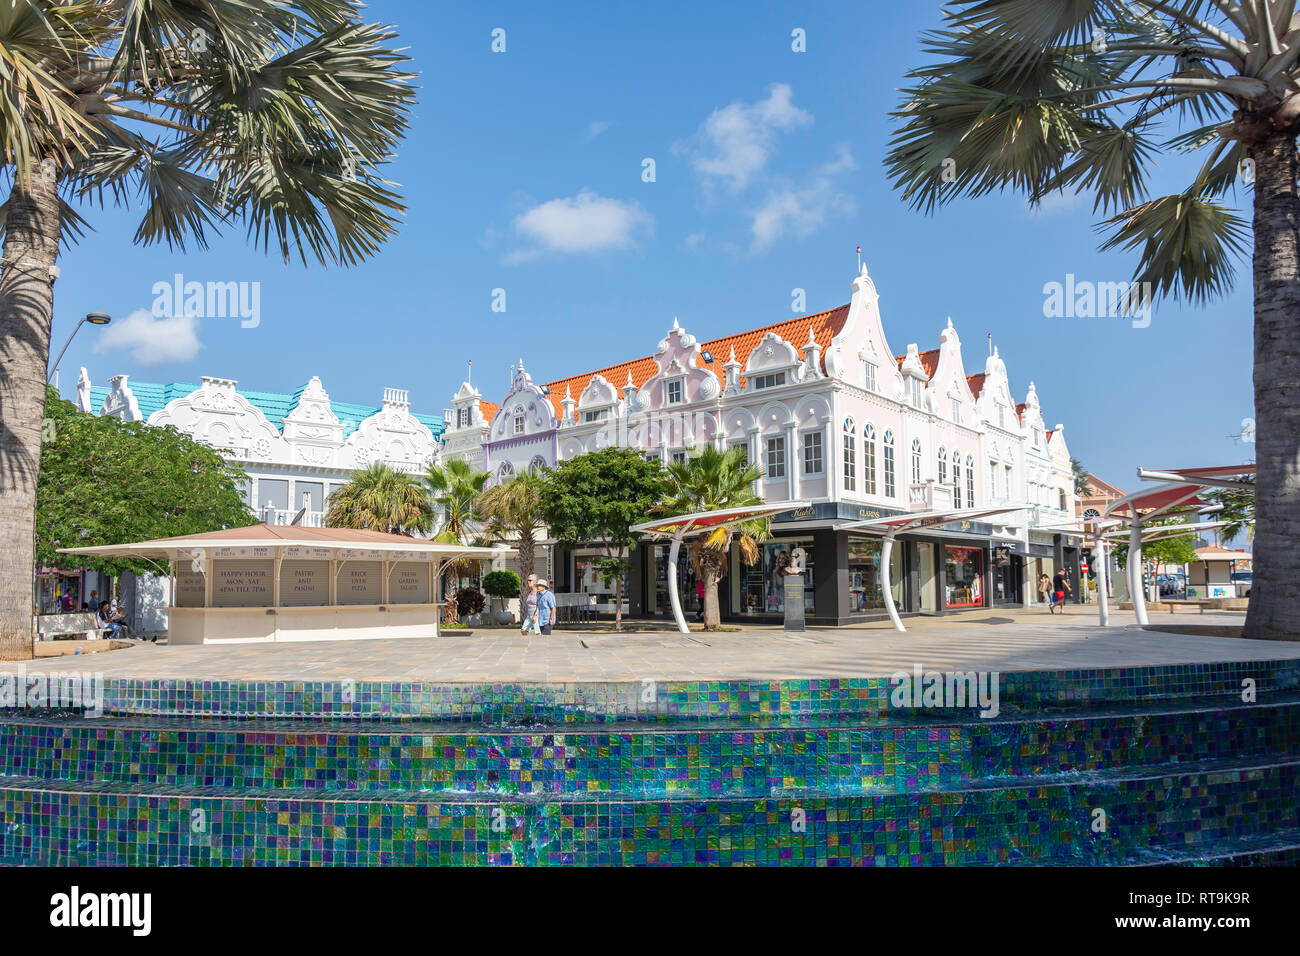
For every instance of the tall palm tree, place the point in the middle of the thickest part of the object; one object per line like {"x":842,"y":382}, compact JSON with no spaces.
{"x":513,"y":510}
{"x":381,"y":499}
{"x":711,"y":480}
{"x":455,"y":489}
{"x":1041,"y":96}
{"x":271,"y":116}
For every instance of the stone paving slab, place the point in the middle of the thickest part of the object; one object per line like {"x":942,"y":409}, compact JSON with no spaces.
{"x":1001,"y":640}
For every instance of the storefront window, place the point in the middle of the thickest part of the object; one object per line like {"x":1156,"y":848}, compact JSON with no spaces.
{"x":864,"y":575}
{"x":688,"y":592}
{"x":964,"y":567}
{"x":763,"y":583}
{"x":587,"y":579}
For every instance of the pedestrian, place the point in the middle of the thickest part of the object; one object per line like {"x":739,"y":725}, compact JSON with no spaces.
{"x":699,"y":594}
{"x":94,"y":600}
{"x":1060,"y":588}
{"x":1045,"y":590}
{"x":529,"y":625}
{"x":545,"y":607}
{"x":106,"y":623}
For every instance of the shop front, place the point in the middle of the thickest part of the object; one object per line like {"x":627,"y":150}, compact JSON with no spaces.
{"x":963,"y":577}
{"x":1008,"y":576}
{"x":759,"y":589}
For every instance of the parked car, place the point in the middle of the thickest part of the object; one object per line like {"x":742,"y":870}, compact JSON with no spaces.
{"x":1240,"y":578}
{"x":1170,"y":584}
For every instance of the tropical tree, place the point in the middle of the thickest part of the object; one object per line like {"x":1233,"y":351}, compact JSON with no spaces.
{"x":381,"y":499}
{"x":454,"y":489}
{"x":267,"y":115}
{"x":105,"y":481}
{"x":1080,"y":477}
{"x":596,"y":498}
{"x":1040,"y":96}
{"x":513,"y":512}
{"x":1238,"y":511}
{"x":712,"y":480}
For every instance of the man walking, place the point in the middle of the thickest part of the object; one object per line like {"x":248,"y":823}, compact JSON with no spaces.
{"x":545,"y":606}
{"x":1060,"y":588}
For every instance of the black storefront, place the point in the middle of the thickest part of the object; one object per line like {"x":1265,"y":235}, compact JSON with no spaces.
{"x":940,"y":570}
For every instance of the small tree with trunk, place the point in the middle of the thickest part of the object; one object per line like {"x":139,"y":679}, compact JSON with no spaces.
{"x":596,"y":498}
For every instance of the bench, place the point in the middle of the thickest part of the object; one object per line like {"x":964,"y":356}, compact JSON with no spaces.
{"x":1202,"y":604}
{"x":52,"y":626}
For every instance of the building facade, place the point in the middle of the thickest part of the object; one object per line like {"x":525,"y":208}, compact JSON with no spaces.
{"x":295,"y":447}
{"x":831,"y":415}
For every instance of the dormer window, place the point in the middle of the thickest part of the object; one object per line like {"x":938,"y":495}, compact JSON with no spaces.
{"x":767,"y":381}
{"x":1038,"y":438}
{"x":871,"y":376}
{"x":956,"y":411}
{"x":673,"y":392}
{"x":1002,"y":416}
{"x":519,"y":421}
{"x":598,"y":415}
{"x":918,"y":390}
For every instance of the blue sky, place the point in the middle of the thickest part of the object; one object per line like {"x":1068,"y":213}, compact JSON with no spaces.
{"x":523,"y":172}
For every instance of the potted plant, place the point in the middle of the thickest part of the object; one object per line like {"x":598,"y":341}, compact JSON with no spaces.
{"x":503,"y":585}
{"x":469,"y":605}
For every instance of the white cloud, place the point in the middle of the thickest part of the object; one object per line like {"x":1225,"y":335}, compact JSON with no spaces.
{"x":801,"y":211}
{"x":694,"y":241}
{"x":150,"y":340}
{"x":596,"y":127}
{"x":585,"y":223}
{"x":734,"y":144}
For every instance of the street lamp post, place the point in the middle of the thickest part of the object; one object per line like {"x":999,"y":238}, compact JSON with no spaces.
{"x":94,"y":318}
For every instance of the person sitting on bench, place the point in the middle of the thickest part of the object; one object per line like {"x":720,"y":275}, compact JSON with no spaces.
{"x":106,"y":622}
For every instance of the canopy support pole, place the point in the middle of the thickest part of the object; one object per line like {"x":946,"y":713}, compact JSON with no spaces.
{"x":886,"y":590}
{"x":673,"y":597}
{"x":1135,"y":585}
{"x":1102,"y":560}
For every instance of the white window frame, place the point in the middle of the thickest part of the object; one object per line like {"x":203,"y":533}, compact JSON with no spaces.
{"x":680,"y":385}
{"x":819,"y":440}
{"x":776,"y":441}
{"x":767,"y":380}
{"x":871,"y":373}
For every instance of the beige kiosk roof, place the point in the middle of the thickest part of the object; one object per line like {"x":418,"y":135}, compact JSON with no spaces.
{"x":290,"y":536}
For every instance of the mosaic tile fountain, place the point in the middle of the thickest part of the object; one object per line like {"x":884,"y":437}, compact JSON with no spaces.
{"x":1148,"y":765}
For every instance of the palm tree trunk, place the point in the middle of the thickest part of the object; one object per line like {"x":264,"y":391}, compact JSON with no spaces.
{"x":1274,"y":610}
{"x":527,"y":560}
{"x":712,"y":613}
{"x":31,"y":245}
{"x":618,"y":593}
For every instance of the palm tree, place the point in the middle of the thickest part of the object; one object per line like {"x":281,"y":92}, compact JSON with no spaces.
{"x":265,"y":115}
{"x":455,"y":489}
{"x":711,"y":480}
{"x":1085,"y":95}
{"x":513,"y":509}
{"x":381,"y":499}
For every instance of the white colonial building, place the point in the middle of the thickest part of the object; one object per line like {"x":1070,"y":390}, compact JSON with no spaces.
{"x":830,"y":414}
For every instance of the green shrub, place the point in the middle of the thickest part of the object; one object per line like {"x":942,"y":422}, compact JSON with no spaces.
{"x":502,"y":584}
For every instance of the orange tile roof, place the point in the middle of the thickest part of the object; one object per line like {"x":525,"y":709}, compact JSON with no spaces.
{"x":489,"y":409}
{"x":976,"y":383}
{"x":929,"y":361}
{"x":1020,"y":410}
{"x":825,"y":326}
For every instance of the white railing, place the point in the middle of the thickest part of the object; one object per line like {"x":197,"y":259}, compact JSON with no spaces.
{"x":310,"y":519}
{"x":929,"y":496}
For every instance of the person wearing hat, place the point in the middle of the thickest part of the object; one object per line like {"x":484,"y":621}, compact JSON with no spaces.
{"x":545,"y":606}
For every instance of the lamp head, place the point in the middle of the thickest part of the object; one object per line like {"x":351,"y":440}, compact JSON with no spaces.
{"x":98,"y":318}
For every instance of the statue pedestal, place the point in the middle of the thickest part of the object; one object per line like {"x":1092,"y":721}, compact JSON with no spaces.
{"x":794,"y":584}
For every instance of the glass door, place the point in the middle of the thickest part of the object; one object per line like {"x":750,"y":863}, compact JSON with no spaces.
{"x":929,"y":581}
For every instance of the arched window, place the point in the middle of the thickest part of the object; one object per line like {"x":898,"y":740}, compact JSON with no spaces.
{"x":537,"y":464}
{"x":916,"y":461}
{"x":888,"y":456}
{"x":1092,"y":513}
{"x":956,"y":479}
{"x":943,"y":465}
{"x":850,"y":455}
{"x":505,"y":472}
{"x":970,"y":481}
{"x":869,"y":459}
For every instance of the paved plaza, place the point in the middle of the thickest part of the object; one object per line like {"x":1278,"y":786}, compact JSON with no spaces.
{"x":1005,"y":641}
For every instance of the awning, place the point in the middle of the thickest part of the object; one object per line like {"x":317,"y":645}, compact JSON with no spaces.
{"x":710,"y":520}
{"x":272,"y":539}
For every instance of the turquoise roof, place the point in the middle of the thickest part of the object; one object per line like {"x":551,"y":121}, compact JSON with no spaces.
{"x":274,"y":405}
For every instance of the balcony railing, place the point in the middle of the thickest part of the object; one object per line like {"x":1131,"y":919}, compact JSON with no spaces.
{"x":310,"y":519}
{"x":929,"y":496}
